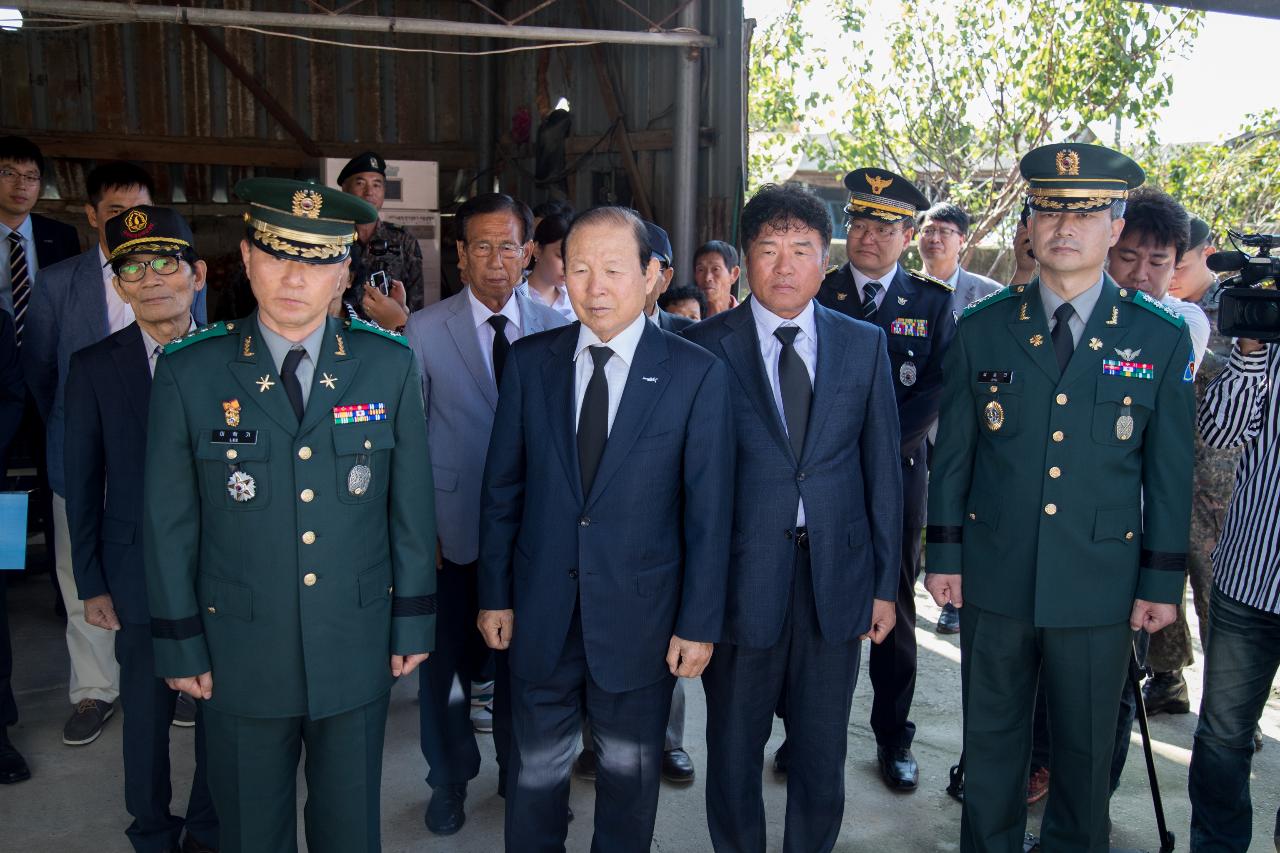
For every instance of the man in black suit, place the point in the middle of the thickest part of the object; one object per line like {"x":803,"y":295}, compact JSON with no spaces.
{"x":108,"y":391}
{"x":603,"y":553}
{"x":816,"y":523}
{"x":13,"y":768}
{"x":914,"y":310}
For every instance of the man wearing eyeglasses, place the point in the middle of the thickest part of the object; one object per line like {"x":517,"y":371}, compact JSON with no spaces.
{"x":943,"y":231}
{"x":155,"y":272}
{"x":461,"y":346}
{"x":914,"y":310}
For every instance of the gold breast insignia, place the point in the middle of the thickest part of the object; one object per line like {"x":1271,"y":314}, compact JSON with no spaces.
{"x":1114,"y":320}
{"x":1095,"y":344}
{"x":1036,"y":340}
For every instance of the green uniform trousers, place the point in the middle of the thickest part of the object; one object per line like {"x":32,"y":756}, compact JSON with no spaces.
{"x":1083,"y":671}
{"x":253,"y":768}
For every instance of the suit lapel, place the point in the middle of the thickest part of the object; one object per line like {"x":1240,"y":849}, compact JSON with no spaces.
{"x":462,"y":328}
{"x":337,"y":368}
{"x":742,"y":346}
{"x":828,"y":376}
{"x":258,"y":378}
{"x":132,"y":363}
{"x":639,"y":396}
{"x":557,"y":387}
{"x":530,"y":321}
{"x":1031,"y":330}
{"x":1107,"y":326}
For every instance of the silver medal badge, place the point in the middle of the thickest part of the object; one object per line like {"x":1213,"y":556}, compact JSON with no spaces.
{"x":241,"y":486}
{"x":907,"y":373}
{"x":358,"y":479}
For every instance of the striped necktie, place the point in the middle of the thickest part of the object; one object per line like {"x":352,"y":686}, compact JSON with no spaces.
{"x":869,"y":292}
{"x":19,"y":281}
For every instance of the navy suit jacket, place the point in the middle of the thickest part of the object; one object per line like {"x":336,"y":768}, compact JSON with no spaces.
{"x":108,"y":393}
{"x":55,"y":241}
{"x":669,"y":322}
{"x":647,"y":550}
{"x":68,"y":312}
{"x":848,"y":474}
{"x":13,"y":395}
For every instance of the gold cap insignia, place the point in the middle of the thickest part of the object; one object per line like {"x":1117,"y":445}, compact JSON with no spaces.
{"x":307,"y":203}
{"x":1068,"y":162}
{"x":878,"y":185}
{"x":135,"y":221}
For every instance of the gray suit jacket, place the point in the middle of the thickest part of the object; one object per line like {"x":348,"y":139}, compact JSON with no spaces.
{"x":461,"y":400}
{"x":68,"y":312}
{"x":970,"y":287}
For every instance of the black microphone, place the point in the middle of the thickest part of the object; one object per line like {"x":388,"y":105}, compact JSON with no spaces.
{"x":1226,"y":261}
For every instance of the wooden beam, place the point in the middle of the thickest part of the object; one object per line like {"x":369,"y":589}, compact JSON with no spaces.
{"x":203,"y":151}
{"x":641,"y":140}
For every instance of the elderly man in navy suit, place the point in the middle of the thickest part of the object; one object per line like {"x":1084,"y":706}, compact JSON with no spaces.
{"x":603,"y":547}
{"x":816,"y":526}
{"x":461,"y":345}
{"x":108,"y":393}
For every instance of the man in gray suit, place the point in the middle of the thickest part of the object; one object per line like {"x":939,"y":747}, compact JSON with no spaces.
{"x":461,"y":345}
{"x":943,"y":231}
{"x":73,"y":305}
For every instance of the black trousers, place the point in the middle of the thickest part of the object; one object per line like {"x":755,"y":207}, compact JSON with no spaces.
{"x":8,"y":706}
{"x":627,"y":732}
{"x":148,"y":709}
{"x":444,"y":684}
{"x":743,"y":687}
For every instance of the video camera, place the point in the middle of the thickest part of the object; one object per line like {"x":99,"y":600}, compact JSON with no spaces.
{"x":1248,"y":302}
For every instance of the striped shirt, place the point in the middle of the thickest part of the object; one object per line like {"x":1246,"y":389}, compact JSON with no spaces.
{"x":1240,"y":411}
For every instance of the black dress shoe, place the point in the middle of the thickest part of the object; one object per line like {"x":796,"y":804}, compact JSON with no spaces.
{"x":780,"y":760}
{"x":444,"y":813}
{"x":13,"y":767}
{"x":677,"y":766}
{"x":1166,"y":693}
{"x":948,"y":620}
{"x":191,"y":844}
{"x":585,"y":766}
{"x":898,"y":767}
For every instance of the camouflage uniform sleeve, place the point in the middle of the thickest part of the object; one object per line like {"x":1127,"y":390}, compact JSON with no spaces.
{"x":411,"y":259}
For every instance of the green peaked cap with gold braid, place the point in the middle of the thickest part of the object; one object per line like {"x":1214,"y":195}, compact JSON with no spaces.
{"x":302,"y":220}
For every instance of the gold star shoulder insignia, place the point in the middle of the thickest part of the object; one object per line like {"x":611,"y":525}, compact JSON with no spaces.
{"x":329,"y":381}
{"x":264,"y":383}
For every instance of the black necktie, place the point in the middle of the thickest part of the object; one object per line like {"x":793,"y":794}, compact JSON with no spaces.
{"x":1063,"y":344}
{"x":289,"y":378}
{"x":19,"y":282}
{"x":500,"y":346}
{"x":593,"y":420}
{"x":869,"y":291}
{"x":797,"y":391}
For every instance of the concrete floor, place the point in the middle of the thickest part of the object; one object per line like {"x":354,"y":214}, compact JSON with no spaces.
{"x":75,"y":800}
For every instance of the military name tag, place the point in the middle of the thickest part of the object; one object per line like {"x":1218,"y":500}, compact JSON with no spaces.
{"x":910,"y":327}
{"x":994,"y":414}
{"x":359,"y":413}
{"x":999,"y":377}
{"x":235,"y":436}
{"x":241,"y":486}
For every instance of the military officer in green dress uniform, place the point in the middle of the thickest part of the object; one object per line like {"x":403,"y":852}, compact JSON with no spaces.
{"x":288,"y":530}
{"x":1059,"y":502}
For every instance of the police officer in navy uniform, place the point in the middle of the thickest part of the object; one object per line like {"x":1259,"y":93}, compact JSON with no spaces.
{"x":914,"y":310}
{"x":289,"y":531}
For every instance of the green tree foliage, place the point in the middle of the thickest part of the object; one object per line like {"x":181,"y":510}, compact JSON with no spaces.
{"x":952,"y":93}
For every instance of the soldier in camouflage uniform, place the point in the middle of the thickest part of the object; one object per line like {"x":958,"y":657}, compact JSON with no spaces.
{"x":1214,"y":475}
{"x":382,"y":245}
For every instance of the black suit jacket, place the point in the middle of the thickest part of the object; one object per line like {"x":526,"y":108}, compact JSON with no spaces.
{"x":13,"y":391}
{"x":669,"y":322}
{"x":55,"y":241}
{"x":108,"y":394}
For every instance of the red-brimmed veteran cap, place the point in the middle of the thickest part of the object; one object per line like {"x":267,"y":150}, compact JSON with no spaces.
{"x":1077,"y":177}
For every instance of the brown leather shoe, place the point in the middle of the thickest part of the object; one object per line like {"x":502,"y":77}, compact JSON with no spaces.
{"x":1038,"y":785}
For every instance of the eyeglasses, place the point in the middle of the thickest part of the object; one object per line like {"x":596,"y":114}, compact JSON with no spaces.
{"x":133,"y":271}
{"x":860,"y":228}
{"x":483,"y":249}
{"x":12,"y":177}
{"x":934,"y":231}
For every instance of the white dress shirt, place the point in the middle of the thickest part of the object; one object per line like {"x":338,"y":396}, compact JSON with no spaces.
{"x":861,"y":279}
{"x":480,"y":314}
{"x":806,"y":345}
{"x":561,"y":304}
{"x":119,"y":312}
{"x":1197,"y":324}
{"x":616,"y":369}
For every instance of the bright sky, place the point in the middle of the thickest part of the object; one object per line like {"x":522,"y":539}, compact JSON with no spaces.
{"x":1230,"y":72}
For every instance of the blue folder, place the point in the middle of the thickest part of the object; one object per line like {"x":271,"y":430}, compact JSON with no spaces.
{"x":13,"y":531}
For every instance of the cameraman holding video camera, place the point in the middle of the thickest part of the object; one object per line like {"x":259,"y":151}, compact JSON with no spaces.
{"x":1239,"y":410}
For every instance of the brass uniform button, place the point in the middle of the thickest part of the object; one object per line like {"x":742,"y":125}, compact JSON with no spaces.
{"x":995,"y":388}
{"x":1055,"y":472}
{"x":1051,"y":509}
{"x":1061,"y":399}
{"x":304,"y":453}
{"x":310,"y":579}
{"x":232,"y":454}
{"x":307,"y":496}
{"x":1128,"y":401}
{"x":1128,"y":534}
{"x":1124,"y":292}
{"x":231,"y":327}
{"x":973,"y":516}
{"x":1058,"y":435}
{"x":309,"y":538}
{"x":368,"y":445}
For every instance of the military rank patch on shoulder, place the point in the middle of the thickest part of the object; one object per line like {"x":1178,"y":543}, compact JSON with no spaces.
{"x":831,"y":269}
{"x":990,"y":299}
{"x":1155,"y":306}
{"x":213,"y":330}
{"x":936,"y":282}
{"x":358,"y":325}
